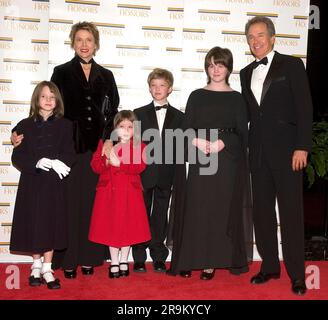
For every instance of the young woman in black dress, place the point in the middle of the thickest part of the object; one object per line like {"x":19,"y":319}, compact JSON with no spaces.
{"x":208,"y":230}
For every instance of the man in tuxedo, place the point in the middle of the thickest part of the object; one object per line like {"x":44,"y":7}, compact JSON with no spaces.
{"x":278,"y":98}
{"x":157,"y":179}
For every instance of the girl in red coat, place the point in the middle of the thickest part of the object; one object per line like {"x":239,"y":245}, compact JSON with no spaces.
{"x":119,"y":217}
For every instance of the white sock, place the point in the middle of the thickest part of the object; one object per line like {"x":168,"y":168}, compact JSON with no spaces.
{"x":114,"y":258}
{"x":47,"y":272}
{"x":46,"y":267}
{"x":36,"y":268}
{"x":124,"y":257}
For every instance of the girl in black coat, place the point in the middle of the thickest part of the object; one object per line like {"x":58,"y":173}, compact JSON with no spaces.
{"x":44,"y":158}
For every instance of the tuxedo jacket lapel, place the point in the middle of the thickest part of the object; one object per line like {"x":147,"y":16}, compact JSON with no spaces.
{"x":249,"y":73}
{"x":151,"y":114}
{"x":274,"y":68}
{"x":168,"y":117}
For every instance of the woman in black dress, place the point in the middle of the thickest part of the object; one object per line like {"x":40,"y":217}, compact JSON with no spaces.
{"x":90,"y":97}
{"x":208,"y":225}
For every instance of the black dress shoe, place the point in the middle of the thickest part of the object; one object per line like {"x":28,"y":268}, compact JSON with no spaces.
{"x":124,"y":273}
{"x":70,"y":274}
{"x":87,"y":271}
{"x":115,"y":274}
{"x":159,"y":266}
{"x":205,"y":275}
{"x":264,"y":277}
{"x":298,"y":287}
{"x":34,"y":281}
{"x":185,"y":274}
{"x":139,"y":267}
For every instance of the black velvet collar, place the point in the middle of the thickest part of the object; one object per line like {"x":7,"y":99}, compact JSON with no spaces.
{"x":83,"y":61}
{"x":40,"y":119}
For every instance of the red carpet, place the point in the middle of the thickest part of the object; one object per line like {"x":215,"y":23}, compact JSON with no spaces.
{"x":158,"y":286}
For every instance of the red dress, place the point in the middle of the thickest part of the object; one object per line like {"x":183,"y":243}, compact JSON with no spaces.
{"x":119,"y":216}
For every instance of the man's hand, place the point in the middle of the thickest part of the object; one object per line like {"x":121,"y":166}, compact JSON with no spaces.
{"x":107,"y":147}
{"x":299,"y":160}
{"x":16,"y":139}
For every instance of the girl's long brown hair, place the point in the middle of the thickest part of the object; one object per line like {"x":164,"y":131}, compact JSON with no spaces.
{"x":35,"y":106}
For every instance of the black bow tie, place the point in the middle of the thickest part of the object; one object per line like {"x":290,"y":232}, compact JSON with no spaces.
{"x":263,"y":61}
{"x":161,"y":107}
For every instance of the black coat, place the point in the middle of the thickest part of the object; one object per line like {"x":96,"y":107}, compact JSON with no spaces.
{"x":39,"y":222}
{"x":283,"y":121}
{"x":83,"y":101}
{"x":159,"y":174}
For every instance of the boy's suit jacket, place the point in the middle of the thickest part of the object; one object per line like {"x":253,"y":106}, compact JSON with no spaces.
{"x":158,"y":174}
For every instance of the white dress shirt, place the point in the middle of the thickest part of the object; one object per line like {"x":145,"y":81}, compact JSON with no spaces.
{"x":160,"y":114}
{"x":258,"y":76}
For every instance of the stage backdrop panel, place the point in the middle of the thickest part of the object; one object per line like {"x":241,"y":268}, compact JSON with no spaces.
{"x":136,"y":36}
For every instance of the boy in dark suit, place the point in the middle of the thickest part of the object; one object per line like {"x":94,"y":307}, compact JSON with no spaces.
{"x":277,"y":93}
{"x":157,"y":179}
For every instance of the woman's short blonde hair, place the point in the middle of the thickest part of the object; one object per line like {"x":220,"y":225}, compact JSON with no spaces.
{"x":88,"y":26}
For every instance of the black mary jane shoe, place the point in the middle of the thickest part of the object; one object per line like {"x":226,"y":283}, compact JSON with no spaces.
{"x":87,"y":271}
{"x":34,"y":281}
{"x":55,"y":284}
{"x":116,"y":274}
{"x":70,"y":274}
{"x":124,"y":273}
{"x":207,"y":275}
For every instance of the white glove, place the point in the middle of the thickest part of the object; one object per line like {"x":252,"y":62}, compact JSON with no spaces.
{"x":44,"y":164}
{"x":61,"y":168}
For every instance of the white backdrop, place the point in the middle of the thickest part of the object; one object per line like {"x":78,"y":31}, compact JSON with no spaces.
{"x":136,"y":36}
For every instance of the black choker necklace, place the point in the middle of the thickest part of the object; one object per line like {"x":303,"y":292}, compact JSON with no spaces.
{"x":84,"y":62}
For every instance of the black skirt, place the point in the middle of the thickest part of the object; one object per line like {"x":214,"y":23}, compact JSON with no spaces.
{"x":80,"y":194}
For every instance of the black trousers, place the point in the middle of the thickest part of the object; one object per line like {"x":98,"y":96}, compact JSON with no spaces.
{"x":157,"y":203}
{"x":287,"y":186}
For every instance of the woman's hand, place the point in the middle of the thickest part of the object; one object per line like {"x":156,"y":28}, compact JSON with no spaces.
{"x":113,"y":159}
{"x":16,"y":139}
{"x":202,"y":144}
{"x":107,"y":147}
